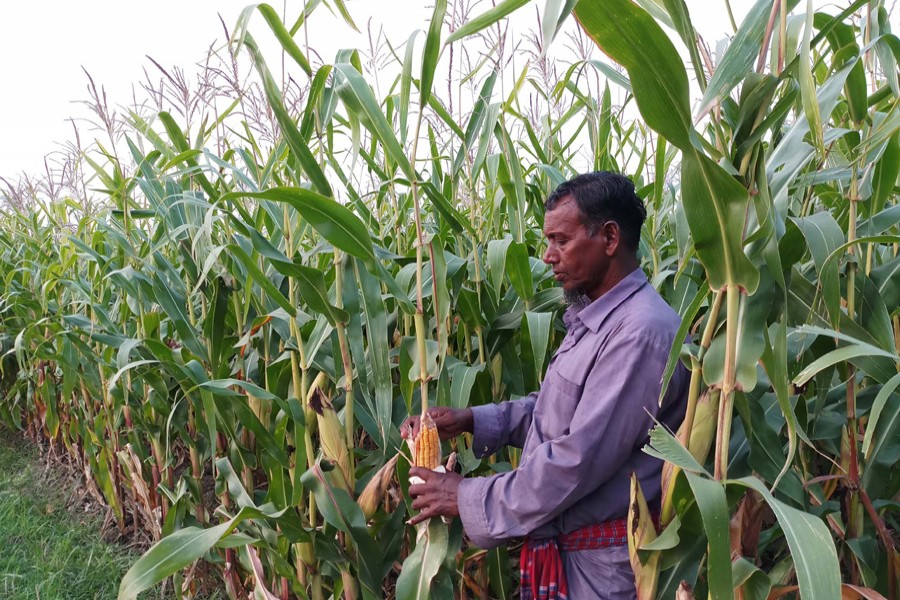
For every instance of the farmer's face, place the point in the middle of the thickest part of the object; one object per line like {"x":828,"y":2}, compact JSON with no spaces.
{"x":579,"y":260}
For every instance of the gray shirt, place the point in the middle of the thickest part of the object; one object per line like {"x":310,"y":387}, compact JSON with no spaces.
{"x":581,"y":435}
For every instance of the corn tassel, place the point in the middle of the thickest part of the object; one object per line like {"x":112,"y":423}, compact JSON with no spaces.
{"x":641,"y":531}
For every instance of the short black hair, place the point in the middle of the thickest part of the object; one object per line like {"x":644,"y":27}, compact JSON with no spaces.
{"x":604,"y":196}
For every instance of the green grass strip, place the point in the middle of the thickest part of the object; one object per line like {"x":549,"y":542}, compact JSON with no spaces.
{"x":47,"y":551}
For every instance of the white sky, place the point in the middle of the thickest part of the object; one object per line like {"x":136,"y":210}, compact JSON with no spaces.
{"x":44,"y":44}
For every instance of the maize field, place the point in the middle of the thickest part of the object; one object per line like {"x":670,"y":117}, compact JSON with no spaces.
{"x":224,"y":320}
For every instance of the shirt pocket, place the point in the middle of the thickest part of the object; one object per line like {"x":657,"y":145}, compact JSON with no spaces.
{"x":558,"y":408}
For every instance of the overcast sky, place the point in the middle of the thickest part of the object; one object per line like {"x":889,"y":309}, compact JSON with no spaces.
{"x":46,"y":44}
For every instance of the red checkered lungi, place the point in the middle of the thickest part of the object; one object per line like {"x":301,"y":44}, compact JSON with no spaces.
{"x":541,"y":566}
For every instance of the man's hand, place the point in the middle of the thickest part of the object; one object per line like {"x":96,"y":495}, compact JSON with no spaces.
{"x":450,"y":422}
{"x":436,"y":496}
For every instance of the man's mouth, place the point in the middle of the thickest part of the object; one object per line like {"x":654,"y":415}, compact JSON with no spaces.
{"x":559,"y":275}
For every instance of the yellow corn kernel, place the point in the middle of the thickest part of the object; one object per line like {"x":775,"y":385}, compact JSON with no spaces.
{"x":427,"y":452}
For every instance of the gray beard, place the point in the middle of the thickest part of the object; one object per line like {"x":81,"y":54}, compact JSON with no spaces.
{"x":576,"y":299}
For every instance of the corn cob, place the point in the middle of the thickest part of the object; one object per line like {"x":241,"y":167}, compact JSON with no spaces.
{"x":702,"y":435}
{"x":331,"y":435}
{"x":427,"y":450}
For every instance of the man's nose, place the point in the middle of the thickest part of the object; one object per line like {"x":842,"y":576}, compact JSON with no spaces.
{"x":550,"y":256}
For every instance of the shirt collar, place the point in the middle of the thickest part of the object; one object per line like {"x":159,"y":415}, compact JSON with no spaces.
{"x":594,"y":314}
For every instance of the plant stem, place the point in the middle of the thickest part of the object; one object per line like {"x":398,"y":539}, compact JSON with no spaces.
{"x":349,"y":422}
{"x":723,"y":430}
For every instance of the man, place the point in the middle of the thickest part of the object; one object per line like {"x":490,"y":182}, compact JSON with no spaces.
{"x":581,"y":435}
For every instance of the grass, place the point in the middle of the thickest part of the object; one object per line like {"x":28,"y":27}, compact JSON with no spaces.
{"x":46,"y":550}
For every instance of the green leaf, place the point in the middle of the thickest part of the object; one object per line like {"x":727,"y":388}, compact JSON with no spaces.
{"x":173,"y":304}
{"x":420,"y":567}
{"x":378,"y":349}
{"x":808,"y":83}
{"x":715,"y":205}
{"x":611,"y":74}
{"x":463,"y":379}
{"x":681,"y":19}
{"x":519,"y":270}
{"x":292,"y":135}
{"x":316,"y":94}
{"x":774,"y":360}
{"x":536,"y":334}
{"x":223,"y":388}
{"x":332,"y":220}
{"x":877,"y":408}
{"x":486,"y":19}
{"x":342,"y":512}
{"x":284,"y":36}
{"x":553,"y":14}
{"x":687,"y":321}
{"x":342,"y":8}
{"x":632,"y":38}
{"x":842,"y":38}
{"x":315,"y":295}
{"x":664,"y":446}
{"x":836,"y":356}
{"x":496,"y":259}
{"x":754,"y":584}
{"x":406,"y":84}
{"x":813,"y":552}
{"x":178,"y":550}
{"x":739,"y":56}
{"x":360,"y":100}
{"x":824,"y":236}
{"x":666,"y":540}
{"x":751,"y":327}
{"x":256,"y":274}
{"x":885,"y":177}
{"x":710,"y":497}
{"x":432,"y":51}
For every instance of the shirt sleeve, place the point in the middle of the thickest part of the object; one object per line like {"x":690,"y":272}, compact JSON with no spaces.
{"x":610,"y":422}
{"x":503,"y":424}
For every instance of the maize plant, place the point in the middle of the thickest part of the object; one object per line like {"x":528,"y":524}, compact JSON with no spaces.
{"x":228,"y":347}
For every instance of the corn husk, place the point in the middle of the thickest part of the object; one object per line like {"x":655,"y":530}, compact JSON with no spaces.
{"x":331,"y":435}
{"x":703,"y":433}
{"x":374,"y":491}
{"x":641,"y":531}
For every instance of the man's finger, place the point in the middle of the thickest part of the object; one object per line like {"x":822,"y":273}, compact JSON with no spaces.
{"x":410,"y":427}
{"x":422,"y":516}
{"x":422,"y":473}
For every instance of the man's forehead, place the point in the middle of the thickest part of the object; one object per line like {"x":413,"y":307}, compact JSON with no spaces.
{"x":565,"y":216}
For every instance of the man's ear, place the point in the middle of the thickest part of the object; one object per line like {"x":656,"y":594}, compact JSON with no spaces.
{"x":613,"y":235}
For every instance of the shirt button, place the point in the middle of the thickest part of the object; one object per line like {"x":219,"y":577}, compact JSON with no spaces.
{"x":485,"y":448}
